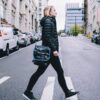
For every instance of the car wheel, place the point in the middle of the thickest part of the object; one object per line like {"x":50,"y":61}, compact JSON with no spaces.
{"x":7,"y":51}
{"x":17,"y":47}
{"x":1,"y":53}
{"x":31,"y":41}
{"x":91,"y":40}
{"x":96,"y":41}
{"x":25,"y":44}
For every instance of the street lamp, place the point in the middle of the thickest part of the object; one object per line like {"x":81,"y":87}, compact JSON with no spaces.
{"x":75,"y":26}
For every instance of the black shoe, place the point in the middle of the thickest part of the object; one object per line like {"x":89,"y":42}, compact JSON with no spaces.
{"x":29,"y":95}
{"x":70,"y":93}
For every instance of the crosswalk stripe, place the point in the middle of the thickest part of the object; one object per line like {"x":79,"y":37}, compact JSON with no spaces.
{"x":3,"y":79}
{"x":70,"y":86}
{"x":48,"y":90}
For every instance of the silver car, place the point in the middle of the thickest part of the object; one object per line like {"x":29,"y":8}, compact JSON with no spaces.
{"x":23,"y":39}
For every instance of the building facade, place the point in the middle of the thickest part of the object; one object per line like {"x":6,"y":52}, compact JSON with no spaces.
{"x":74,"y":16}
{"x":93,"y":15}
{"x":19,"y":14}
{"x":1,"y":9}
{"x":41,"y":4}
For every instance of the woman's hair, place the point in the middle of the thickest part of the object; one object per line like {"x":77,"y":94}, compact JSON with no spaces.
{"x":51,"y":7}
{"x":47,"y":10}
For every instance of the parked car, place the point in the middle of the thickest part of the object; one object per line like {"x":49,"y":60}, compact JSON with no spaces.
{"x":8,"y":40}
{"x":63,"y":34}
{"x":30,"y":36}
{"x":96,"y":37}
{"x":23,"y":39}
{"x":37,"y":36}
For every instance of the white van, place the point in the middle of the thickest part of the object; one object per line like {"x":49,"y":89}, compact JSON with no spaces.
{"x":8,"y":39}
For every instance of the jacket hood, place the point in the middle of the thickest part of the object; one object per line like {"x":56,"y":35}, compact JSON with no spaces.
{"x":44,"y":18}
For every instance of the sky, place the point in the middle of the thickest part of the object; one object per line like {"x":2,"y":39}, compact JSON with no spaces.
{"x":60,"y":7}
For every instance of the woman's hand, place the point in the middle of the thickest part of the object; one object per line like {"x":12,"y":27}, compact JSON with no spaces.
{"x":55,"y":53}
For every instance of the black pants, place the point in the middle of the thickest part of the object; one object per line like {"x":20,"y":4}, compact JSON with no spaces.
{"x":55,"y":62}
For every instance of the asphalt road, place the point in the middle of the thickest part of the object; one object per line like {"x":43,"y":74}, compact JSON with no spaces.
{"x":81,"y":63}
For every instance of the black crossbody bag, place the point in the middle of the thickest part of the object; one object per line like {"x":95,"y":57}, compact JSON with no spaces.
{"x":41,"y":55}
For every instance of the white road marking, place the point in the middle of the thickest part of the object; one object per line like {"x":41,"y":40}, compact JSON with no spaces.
{"x":70,"y":86}
{"x":48,"y":90}
{"x":5,"y":78}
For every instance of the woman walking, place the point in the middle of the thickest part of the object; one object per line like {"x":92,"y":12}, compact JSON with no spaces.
{"x":50,"y":39}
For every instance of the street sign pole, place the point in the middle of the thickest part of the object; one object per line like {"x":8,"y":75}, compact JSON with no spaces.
{"x":75,"y":25}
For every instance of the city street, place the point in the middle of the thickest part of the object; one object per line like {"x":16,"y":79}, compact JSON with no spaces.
{"x":81,"y":63}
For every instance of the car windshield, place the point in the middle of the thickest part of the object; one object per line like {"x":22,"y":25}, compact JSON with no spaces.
{"x":5,"y":29}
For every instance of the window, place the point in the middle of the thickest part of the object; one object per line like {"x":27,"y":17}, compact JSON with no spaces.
{"x":93,"y":18}
{"x":13,"y":17}
{"x":94,"y":8}
{"x":20,"y":19}
{"x":40,"y":4}
{"x":13,"y":1}
{"x":40,"y":9}
{"x":26,"y":6}
{"x":40,"y":15}
{"x":4,"y":10}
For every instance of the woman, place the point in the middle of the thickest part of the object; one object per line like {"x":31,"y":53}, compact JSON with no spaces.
{"x":50,"y":39}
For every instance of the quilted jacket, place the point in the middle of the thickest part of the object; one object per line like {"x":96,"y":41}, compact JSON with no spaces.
{"x":49,"y":33}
